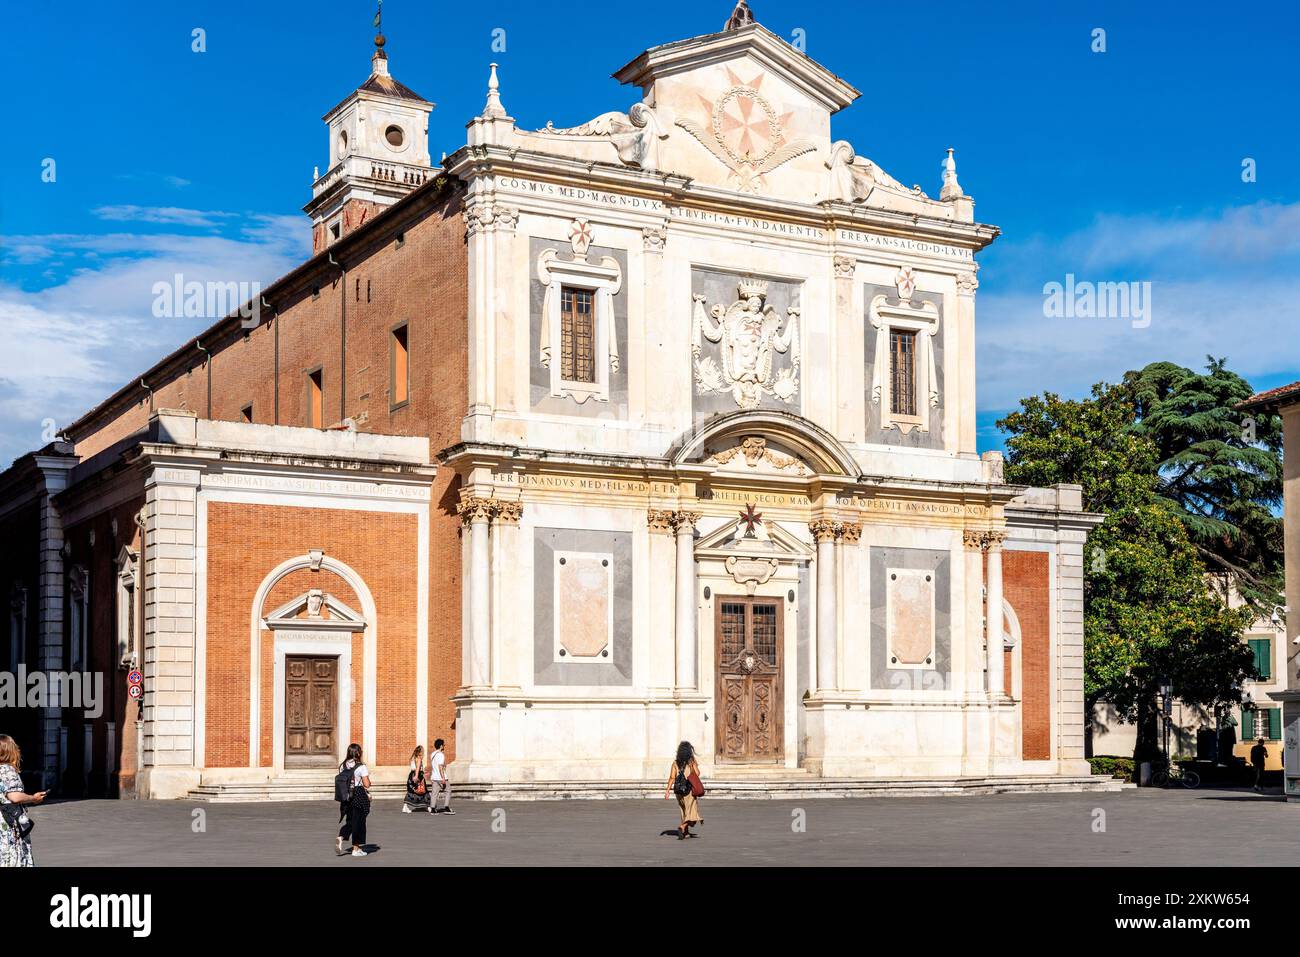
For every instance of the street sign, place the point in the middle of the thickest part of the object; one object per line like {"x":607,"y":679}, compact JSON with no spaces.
{"x":135,"y":677}
{"x":136,"y":692}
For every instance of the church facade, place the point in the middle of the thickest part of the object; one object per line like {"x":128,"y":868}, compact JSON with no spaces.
{"x":588,"y":440}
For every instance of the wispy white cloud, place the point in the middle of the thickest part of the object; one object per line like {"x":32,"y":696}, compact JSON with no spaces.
{"x":70,"y":344}
{"x":1222,"y":284}
{"x":165,"y":215}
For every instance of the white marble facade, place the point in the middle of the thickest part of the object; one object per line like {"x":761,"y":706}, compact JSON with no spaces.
{"x":745,"y":271}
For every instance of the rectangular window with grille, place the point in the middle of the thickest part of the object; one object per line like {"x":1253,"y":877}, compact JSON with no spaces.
{"x":902,"y":369}
{"x":577,"y":335}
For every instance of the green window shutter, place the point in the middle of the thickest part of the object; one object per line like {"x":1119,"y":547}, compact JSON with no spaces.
{"x":1247,"y":724}
{"x":1263,"y":651}
{"x":1274,"y":724}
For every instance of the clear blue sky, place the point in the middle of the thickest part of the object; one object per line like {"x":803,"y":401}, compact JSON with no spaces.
{"x":1123,"y":165}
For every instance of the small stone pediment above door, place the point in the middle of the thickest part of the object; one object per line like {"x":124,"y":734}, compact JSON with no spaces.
{"x":751,"y":557}
{"x":316,"y":610}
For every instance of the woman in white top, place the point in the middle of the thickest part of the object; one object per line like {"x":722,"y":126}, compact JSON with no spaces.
{"x":354,"y":811}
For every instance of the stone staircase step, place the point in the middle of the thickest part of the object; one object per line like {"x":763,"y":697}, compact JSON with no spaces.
{"x":790,"y":784}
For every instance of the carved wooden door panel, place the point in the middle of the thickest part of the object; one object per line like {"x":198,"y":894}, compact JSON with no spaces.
{"x":749,"y":680}
{"x":310,"y":711}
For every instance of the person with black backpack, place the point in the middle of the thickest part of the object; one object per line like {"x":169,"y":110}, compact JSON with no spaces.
{"x":684,"y":784}
{"x":352,"y":791}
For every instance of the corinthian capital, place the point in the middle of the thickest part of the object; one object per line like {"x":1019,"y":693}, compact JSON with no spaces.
{"x":685,"y":521}
{"x":659,"y":519}
{"x":509,"y":513}
{"x":851,"y":532}
{"x":473,"y":508}
{"x":967,"y":283}
{"x":824,"y":530}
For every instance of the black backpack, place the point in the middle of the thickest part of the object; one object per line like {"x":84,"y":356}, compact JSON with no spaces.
{"x":682,"y":786}
{"x":343,"y":784}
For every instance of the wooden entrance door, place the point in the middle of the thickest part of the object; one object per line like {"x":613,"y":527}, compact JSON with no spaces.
{"x":749,"y":680}
{"x":310,"y":711}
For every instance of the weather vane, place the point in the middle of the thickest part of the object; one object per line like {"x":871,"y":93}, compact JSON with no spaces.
{"x":379,"y":14}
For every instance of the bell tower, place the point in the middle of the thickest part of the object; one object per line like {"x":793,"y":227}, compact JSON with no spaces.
{"x":378,"y":152}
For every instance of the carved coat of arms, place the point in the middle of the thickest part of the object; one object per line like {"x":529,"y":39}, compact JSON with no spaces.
{"x":750,"y":336}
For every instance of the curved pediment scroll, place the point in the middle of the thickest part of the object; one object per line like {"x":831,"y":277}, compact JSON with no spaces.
{"x":637,"y":135}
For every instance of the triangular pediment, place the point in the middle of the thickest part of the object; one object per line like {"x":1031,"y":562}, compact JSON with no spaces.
{"x":316,"y":610}
{"x":769,"y":540}
{"x":754,"y":43}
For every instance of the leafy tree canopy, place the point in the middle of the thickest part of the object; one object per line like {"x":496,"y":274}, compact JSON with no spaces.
{"x":1221,"y":469}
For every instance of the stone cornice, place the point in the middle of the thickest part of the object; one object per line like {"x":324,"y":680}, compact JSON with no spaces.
{"x":516,"y":459}
{"x":474,"y":162}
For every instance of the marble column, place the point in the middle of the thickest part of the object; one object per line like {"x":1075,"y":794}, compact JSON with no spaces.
{"x":506,"y":651}
{"x":993,"y":616}
{"x":825,"y":533}
{"x":967,"y":284}
{"x":687,"y":645}
{"x":476,"y":514}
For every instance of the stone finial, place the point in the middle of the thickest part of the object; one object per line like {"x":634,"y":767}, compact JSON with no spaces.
{"x":494,"y":107}
{"x":742,"y":16}
{"x":951,"y":188}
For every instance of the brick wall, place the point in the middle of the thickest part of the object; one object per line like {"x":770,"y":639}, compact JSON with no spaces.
{"x":1026,"y":585}
{"x":245,"y":543}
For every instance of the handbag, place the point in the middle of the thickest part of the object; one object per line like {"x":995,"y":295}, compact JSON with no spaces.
{"x":17,"y":819}
{"x":697,"y":787}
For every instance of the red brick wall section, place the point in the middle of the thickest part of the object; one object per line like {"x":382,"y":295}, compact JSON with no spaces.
{"x":1027,"y":586}
{"x":422,"y":281}
{"x":245,"y":543}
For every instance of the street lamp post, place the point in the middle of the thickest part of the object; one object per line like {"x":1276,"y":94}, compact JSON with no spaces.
{"x":1166,"y":709}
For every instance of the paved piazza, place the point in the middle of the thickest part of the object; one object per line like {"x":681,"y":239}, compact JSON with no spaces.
{"x":1228,"y":828}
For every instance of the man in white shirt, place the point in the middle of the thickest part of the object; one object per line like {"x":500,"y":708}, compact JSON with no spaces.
{"x":438,"y":780}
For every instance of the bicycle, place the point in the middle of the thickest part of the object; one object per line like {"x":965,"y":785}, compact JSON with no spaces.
{"x":1168,"y":777}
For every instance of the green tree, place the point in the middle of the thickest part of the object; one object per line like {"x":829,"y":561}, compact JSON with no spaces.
{"x":1148,"y":612}
{"x":1221,"y":469}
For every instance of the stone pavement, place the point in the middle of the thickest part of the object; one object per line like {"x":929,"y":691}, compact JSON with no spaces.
{"x":1226,"y":828}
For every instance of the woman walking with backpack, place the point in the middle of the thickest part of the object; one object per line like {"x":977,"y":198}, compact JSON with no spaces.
{"x":684,"y":784}
{"x":352,"y":791}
